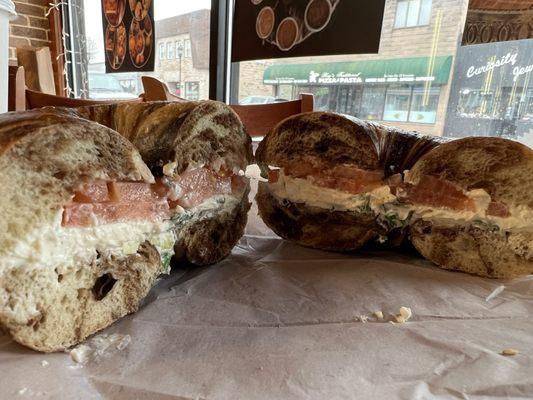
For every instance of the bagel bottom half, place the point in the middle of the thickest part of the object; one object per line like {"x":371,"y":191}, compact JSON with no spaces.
{"x":316,"y":227}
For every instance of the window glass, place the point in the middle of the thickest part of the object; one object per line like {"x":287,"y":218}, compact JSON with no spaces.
{"x":192,"y":90}
{"x":372,"y":103}
{"x":397,"y":104}
{"x":425,"y":12}
{"x":422,"y":79}
{"x":424,"y":104}
{"x":401,"y":14}
{"x":188,"y":48}
{"x":170,"y":50}
{"x":177,"y":23}
{"x":412,"y":13}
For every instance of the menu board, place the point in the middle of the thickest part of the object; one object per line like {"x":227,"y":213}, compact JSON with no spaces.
{"x":266,"y":29}
{"x":498,"y":21}
{"x":128,"y":35}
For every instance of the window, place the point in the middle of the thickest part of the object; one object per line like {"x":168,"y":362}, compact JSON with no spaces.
{"x":192,"y":90}
{"x":174,"y":21}
{"x":372,"y":103}
{"x":170,"y":50}
{"x":188,"y":48}
{"x":412,"y":13}
{"x":424,"y":105}
{"x":397,"y":104}
{"x":427,"y":82}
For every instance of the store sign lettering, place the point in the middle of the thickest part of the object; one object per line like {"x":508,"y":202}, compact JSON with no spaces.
{"x":519,"y":71}
{"x":341,"y":77}
{"x":506,"y":59}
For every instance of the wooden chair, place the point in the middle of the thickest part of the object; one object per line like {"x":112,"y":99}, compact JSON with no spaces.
{"x":155,"y":90}
{"x":21,"y":98}
{"x":258,"y":119}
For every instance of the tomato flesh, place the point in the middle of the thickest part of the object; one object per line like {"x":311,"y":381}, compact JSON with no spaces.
{"x":498,"y":209}
{"x":346,"y":178}
{"x":437,"y":192}
{"x":100,"y":202}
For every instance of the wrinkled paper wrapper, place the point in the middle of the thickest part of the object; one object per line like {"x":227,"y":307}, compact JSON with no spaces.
{"x":279,"y":321}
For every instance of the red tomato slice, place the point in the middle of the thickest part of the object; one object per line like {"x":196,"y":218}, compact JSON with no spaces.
{"x":437,"y":192}
{"x":107,"y":202}
{"x":498,"y":209}
{"x":80,"y":214}
{"x":273,"y":175}
{"x":346,"y":178}
{"x":92,"y":192}
{"x":124,"y":192}
{"x":200,"y":184}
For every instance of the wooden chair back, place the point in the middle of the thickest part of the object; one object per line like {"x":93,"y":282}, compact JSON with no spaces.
{"x":16,"y":98}
{"x":155,"y":90}
{"x":21,"y":98}
{"x":37,"y":100}
{"x":258,"y":119}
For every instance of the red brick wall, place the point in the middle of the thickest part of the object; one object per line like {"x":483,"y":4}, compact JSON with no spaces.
{"x":31,"y":27}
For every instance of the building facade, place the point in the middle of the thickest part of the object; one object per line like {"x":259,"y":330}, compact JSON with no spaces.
{"x":182,"y":54}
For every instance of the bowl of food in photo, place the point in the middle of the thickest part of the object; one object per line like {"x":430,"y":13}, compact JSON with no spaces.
{"x":140,"y":41}
{"x":115,"y":45}
{"x":140,"y":8}
{"x":114,"y":11}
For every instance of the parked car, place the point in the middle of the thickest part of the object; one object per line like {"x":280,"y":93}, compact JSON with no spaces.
{"x":260,"y":100}
{"x":107,"y":87}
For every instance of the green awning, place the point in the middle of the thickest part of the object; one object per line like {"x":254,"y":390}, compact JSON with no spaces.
{"x":406,"y":70}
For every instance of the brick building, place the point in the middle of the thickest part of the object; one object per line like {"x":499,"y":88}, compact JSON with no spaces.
{"x":182,"y":58}
{"x":407,"y":84}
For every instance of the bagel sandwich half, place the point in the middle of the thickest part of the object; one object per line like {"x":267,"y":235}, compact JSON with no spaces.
{"x":197,"y":152}
{"x":85,"y":228}
{"x":326,"y":181}
{"x":471,"y":206}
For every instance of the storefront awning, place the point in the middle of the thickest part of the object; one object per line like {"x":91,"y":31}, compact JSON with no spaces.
{"x":401,"y":70}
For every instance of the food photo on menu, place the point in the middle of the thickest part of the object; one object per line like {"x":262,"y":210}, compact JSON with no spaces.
{"x":266,"y":199}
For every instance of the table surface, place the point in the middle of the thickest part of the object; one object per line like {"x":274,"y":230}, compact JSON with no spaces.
{"x":278,"y":321}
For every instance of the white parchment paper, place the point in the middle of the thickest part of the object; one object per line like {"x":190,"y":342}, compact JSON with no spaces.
{"x":277,"y":321}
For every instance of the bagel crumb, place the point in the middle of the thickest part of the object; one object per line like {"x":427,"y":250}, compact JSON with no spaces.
{"x":509,"y":352}
{"x":378,"y":314}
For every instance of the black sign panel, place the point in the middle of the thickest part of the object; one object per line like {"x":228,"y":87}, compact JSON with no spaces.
{"x":128,"y":35}
{"x":265,"y":29}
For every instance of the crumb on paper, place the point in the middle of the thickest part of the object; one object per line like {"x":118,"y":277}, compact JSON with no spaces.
{"x":81,"y":354}
{"x":378,"y":314}
{"x":495,"y":293}
{"x":392,"y":322}
{"x":99,"y":346}
{"x":363,"y":319}
{"x":27,"y":392}
{"x":44,"y":363}
{"x":509,"y":352}
{"x":404,"y":316}
{"x":168,"y":169}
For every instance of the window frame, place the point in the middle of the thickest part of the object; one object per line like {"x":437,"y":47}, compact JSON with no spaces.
{"x":171,"y":51}
{"x":162,"y":50}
